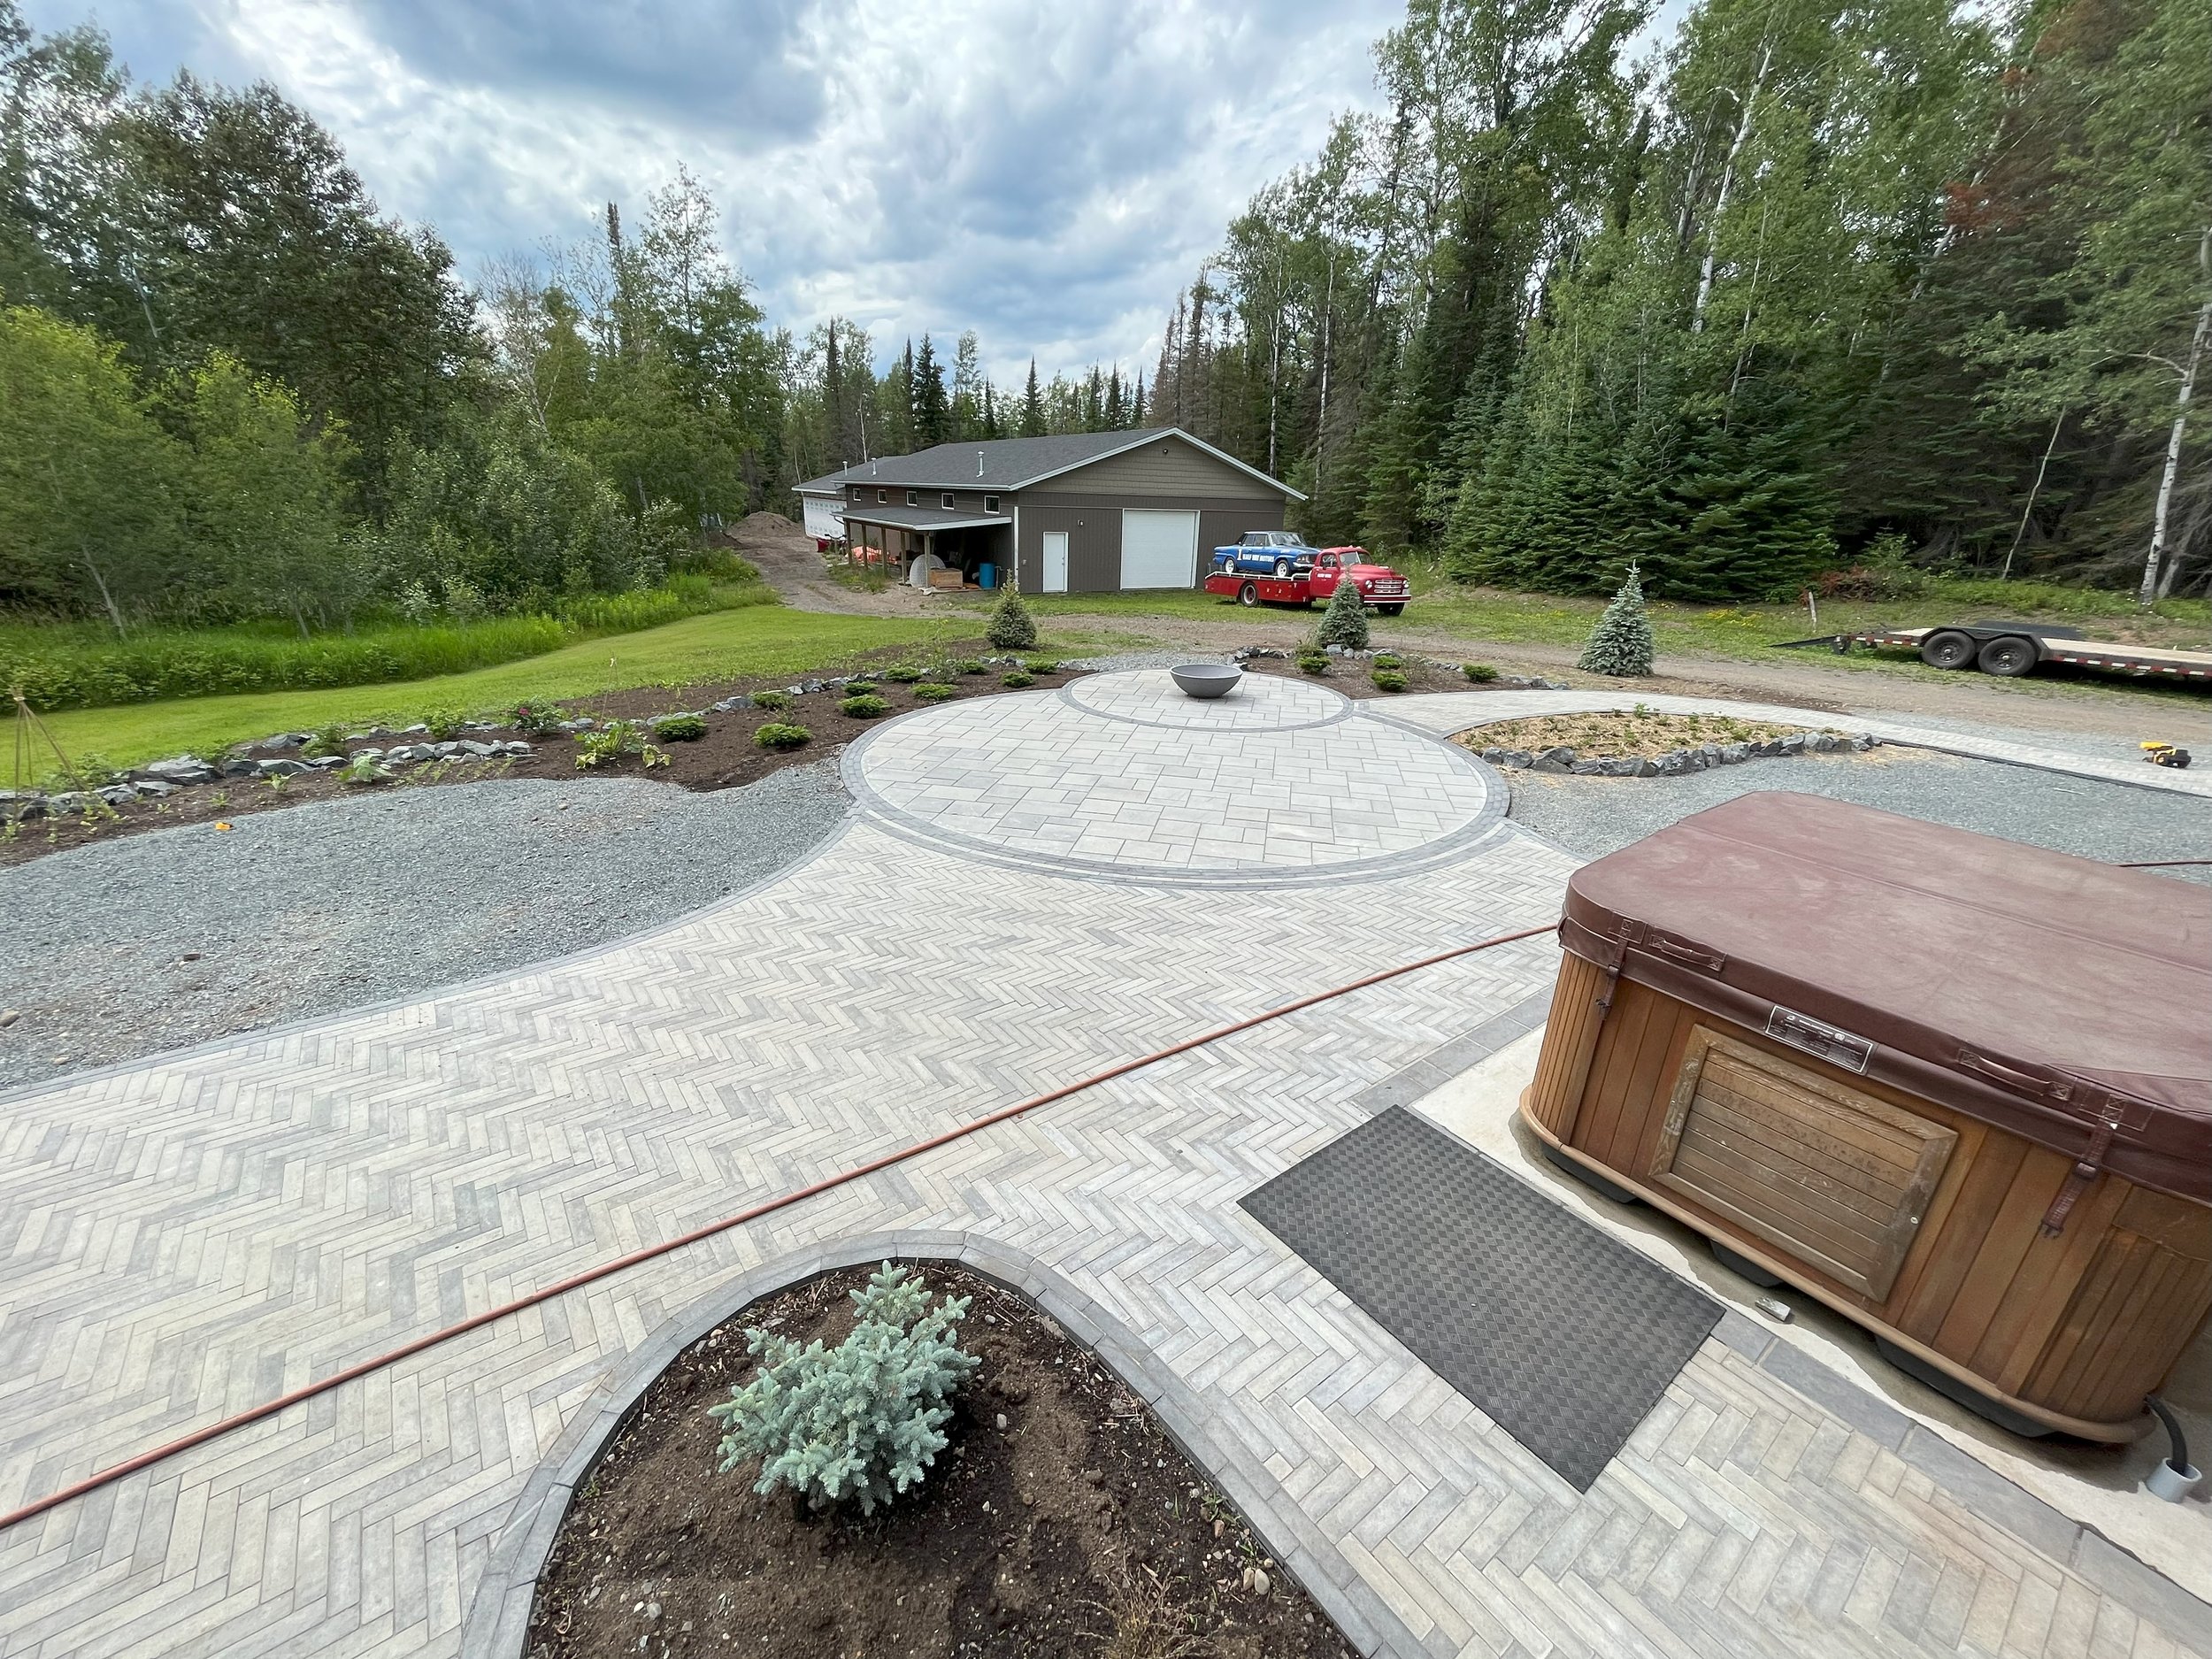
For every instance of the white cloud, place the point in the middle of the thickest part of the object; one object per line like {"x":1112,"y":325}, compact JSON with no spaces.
{"x":1045,"y":174}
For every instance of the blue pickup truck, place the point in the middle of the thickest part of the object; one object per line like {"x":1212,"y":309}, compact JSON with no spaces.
{"x":1264,"y":553}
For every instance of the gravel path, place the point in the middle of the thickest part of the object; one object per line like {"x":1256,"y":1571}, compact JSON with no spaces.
{"x":165,"y":939}
{"x":1591,"y":817}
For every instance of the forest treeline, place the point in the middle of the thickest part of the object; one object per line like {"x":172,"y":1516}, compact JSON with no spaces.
{"x":231,"y":388}
{"x":1856,"y":285}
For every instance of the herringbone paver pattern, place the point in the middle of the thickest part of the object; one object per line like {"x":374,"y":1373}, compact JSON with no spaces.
{"x":191,"y":1236}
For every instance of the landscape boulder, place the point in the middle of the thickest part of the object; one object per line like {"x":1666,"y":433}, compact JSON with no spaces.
{"x":178,"y":769}
{"x":1559,"y":757}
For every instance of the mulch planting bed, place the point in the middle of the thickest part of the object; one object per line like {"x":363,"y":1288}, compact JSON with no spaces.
{"x":1353,"y":676}
{"x":1060,"y":1520}
{"x":1625,"y":735}
{"x":727,"y":757}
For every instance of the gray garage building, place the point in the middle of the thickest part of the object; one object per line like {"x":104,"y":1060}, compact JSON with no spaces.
{"x":1083,"y":513}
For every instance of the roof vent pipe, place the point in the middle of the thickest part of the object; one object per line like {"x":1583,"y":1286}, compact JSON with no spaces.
{"x":979,"y":464}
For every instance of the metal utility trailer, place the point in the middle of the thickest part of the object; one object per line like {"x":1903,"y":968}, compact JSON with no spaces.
{"x":2016,"y":648}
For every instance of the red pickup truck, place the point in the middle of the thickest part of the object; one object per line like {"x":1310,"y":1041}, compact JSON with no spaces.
{"x":1380,"y":588}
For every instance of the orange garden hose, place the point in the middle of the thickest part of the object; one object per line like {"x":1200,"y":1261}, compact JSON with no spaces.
{"x":591,"y":1275}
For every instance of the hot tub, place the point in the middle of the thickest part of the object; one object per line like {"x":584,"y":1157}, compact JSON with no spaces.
{"x":1957,"y":1088}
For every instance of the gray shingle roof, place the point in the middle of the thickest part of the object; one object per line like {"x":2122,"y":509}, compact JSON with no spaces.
{"x":1002,"y":462}
{"x":922,"y":518}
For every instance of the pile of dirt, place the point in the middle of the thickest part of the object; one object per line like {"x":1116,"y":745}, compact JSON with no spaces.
{"x":1060,"y":1520}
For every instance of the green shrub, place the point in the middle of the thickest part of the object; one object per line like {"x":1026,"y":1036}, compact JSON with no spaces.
{"x":782,"y":734}
{"x":533,"y":719}
{"x":445,"y":723}
{"x":1037,"y":665}
{"x":1315,"y":663}
{"x":929,"y":692}
{"x":1388,"y":679}
{"x":69,"y":665}
{"x":1011,"y":627}
{"x":1345,"y":622}
{"x":771,"y":699}
{"x":972,"y":666}
{"x":863,"y":707}
{"x":863,"y":1420}
{"x":855,"y":688}
{"x":364,"y":769}
{"x":679,"y":728}
{"x":903,"y":674}
{"x":1481,"y":673}
{"x":608,"y":742}
{"x":1387,"y":659}
{"x":1016,"y":680}
{"x":329,"y":740}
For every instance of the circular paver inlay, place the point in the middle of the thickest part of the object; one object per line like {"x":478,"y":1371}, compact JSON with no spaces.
{"x":1259,"y":703}
{"x":1281,"y":781}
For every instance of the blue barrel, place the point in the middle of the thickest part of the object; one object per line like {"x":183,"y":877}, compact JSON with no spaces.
{"x":986,"y":575}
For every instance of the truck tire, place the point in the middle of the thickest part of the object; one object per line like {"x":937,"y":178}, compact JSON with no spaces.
{"x":1390,"y":610}
{"x":2012,"y":655}
{"x":1248,"y":595}
{"x":1282,"y":567}
{"x":1947,"y":648}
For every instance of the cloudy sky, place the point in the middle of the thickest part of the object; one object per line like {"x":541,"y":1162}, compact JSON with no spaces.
{"x":1047,"y":173}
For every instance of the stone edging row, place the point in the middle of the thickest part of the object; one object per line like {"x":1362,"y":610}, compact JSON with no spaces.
{"x":1561,"y":758}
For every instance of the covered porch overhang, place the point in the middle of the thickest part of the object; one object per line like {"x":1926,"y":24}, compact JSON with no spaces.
{"x":897,"y":537}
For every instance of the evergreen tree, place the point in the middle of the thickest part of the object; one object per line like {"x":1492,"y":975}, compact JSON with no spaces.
{"x":1620,"y":645}
{"x":1011,"y":627}
{"x":1032,"y":421}
{"x":1345,"y":622}
{"x":928,"y":393}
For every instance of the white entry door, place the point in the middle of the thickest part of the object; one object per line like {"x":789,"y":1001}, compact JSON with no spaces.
{"x":1055,"y":561}
{"x":1158,"y":550}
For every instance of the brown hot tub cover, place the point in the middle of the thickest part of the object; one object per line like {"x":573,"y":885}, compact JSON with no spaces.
{"x":2066,"y":1001}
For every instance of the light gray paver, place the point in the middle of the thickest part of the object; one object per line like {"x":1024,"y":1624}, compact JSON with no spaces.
{"x":189,"y":1236}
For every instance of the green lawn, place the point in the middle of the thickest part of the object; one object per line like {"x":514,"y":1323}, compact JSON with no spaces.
{"x":1745,"y":632}
{"x":723,"y":644}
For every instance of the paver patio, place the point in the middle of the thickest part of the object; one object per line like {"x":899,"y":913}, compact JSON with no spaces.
{"x":188,"y":1237}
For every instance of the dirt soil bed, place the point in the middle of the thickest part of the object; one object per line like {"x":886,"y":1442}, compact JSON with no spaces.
{"x":726,"y":758}
{"x":1061,"y":1520}
{"x":1622,"y":736}
{"x":1353,"y":676}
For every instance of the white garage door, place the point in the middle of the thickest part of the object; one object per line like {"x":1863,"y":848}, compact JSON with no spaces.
{"x":1158,"y":550}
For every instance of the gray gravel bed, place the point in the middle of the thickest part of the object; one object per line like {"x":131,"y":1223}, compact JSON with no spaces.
{"x":1116,"y":663}
{"x":1591,"y":817}
{"x":2188,"y":725}
{"x":315,"y":909}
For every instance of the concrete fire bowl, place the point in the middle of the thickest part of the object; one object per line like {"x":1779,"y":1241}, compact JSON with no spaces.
{"x":1207,"y":680}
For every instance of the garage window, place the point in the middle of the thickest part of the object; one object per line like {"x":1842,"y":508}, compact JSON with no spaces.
{"x":990,"y":504}
{"x":913,"y":498}
{"x":947,"y":500}
{"x":882,"y":496}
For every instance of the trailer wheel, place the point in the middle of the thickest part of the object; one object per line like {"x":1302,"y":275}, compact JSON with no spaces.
{"x":1948,"y":649}
{"x":2010,"y":656}
{"x":1248,"y":595}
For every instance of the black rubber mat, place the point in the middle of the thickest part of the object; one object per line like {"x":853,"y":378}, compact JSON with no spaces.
{"x":1563,"y":1337}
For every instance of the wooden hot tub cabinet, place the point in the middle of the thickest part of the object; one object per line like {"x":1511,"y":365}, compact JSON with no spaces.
{"x":2001,"y":1161}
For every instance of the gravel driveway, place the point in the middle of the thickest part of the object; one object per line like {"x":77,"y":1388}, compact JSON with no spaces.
{"x":1591,"y":817}
{"x":169,"y":939}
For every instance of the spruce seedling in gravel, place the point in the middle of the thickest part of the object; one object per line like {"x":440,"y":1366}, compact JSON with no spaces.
{"x":1012,"y":627}
{"x":865,"y":1419}
{"x":1620,"y":645}
{"x":1345,"y":622}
